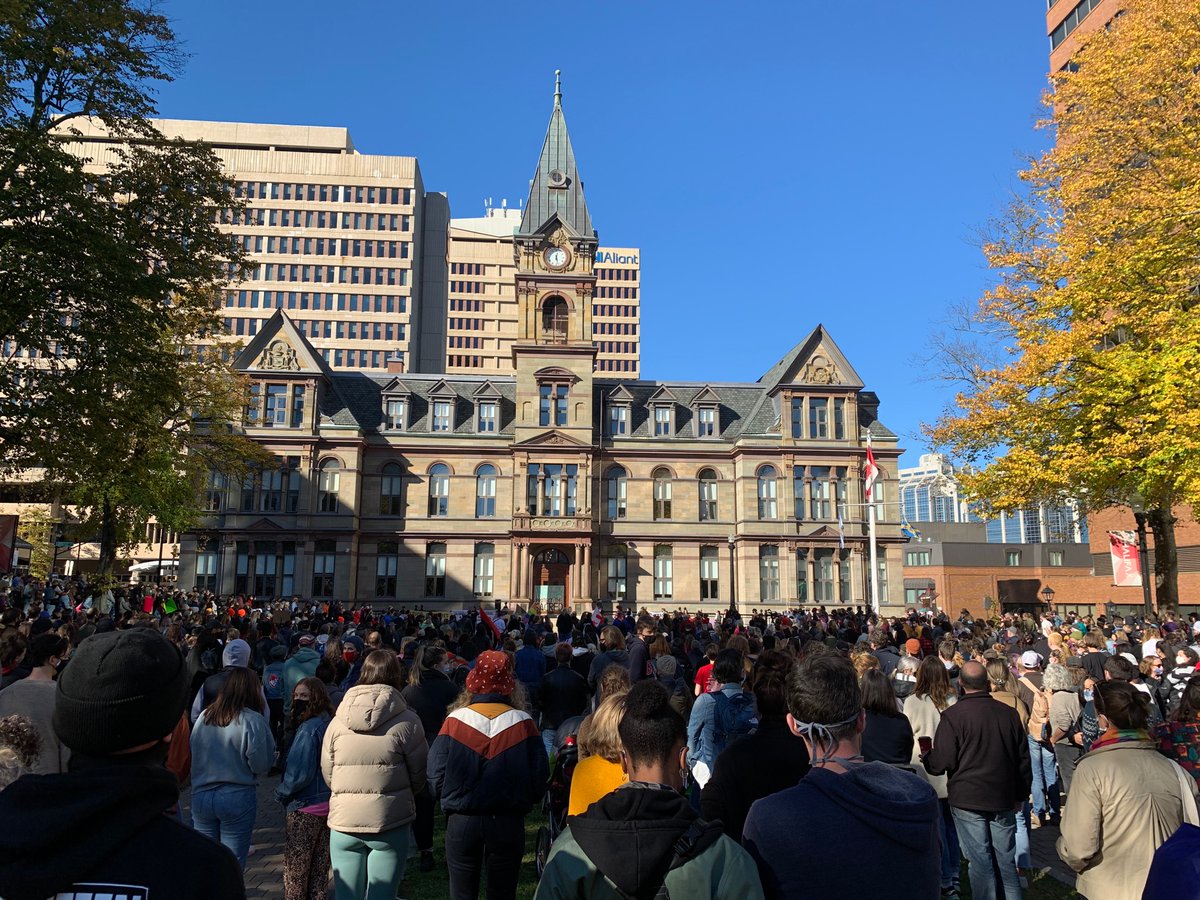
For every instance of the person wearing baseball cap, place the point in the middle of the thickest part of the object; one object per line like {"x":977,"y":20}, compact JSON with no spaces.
{"x":489,"y":768}
{"x":101,"y":828}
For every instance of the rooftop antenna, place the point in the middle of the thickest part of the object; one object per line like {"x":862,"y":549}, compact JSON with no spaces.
{"x":558,"y":87}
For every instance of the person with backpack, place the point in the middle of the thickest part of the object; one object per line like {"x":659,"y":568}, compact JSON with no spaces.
{"x":642,"y":839}
{"x":718,"y":718}
{"x":1047,"y":799}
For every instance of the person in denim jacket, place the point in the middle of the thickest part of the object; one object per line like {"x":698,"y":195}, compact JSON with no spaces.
{"x":306,"y":854}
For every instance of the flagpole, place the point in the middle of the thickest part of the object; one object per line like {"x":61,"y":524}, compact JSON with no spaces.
{"x":874,"y":561}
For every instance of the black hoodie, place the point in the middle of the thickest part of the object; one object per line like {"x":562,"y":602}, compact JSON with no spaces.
{"x":630,"y":834}
{"x":101,"y":829}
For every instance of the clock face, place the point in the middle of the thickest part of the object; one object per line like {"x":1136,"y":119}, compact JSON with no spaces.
{"x":556,"y":257}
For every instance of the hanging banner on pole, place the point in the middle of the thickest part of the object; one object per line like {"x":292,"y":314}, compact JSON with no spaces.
{"x":1127,"y":570}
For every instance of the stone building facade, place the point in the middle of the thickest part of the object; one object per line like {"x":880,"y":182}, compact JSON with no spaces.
{"x":557,"y":483}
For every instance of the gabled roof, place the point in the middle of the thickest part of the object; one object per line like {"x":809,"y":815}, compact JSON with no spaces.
{"x":487,"y":389}
{"x":622,"y":393}
{"x":706,"y":395}
{"x":556,"y":188}
{"x":663,"y":395}
{"x":442,"y":389}
{"x":551,"y":438}
{"x":280,"y":347}
{"x":815,"y":360}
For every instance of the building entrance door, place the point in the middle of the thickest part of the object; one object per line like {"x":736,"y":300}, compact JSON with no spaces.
{"x":551,"y":577}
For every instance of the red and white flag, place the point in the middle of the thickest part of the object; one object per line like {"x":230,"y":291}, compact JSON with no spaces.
{"x":870,"y":472}
{"x":1127,"y":569}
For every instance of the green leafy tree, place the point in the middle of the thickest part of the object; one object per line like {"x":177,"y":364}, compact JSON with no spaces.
{"x":111,"y":269}
{"x":1090,"y":388}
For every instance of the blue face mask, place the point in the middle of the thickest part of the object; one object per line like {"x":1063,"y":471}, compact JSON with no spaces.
{"x":1087,"y":695}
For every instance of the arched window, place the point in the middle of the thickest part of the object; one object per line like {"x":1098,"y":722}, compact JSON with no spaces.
{"x":391,"y":490}
{"x":485,"y":491}
{"x":708,"y":495}
{"x":555,"y":313}
{"x":615,"y":481}
{"x":439,"y":490}
{"x":329,"y":482}
{"x":767,"y":490}
{"x":662,"y":494}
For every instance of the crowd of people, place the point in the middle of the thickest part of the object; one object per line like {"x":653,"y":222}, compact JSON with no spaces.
{"x":767,"y":754}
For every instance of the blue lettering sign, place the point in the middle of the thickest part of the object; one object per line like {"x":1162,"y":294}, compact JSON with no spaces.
{"x":607,"y":256}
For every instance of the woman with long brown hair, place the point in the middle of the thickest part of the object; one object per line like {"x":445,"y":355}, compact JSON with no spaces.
{"x":231,"y":748}
{"x":373,"y":759}
{"x":303,"y":792}
{"x":924,"y":708}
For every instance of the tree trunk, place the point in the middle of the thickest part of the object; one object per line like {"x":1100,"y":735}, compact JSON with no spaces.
{"x":1166,"y":558}
{"x":108,"y":544}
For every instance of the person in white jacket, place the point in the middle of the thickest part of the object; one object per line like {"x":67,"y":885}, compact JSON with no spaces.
{"x":924,"y":708}
{"x":373,"y":759}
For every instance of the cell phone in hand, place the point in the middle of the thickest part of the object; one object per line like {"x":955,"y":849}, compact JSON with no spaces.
{"x":926,"y":744}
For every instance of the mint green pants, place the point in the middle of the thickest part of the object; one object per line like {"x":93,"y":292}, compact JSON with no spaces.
{"x":368,"y":866}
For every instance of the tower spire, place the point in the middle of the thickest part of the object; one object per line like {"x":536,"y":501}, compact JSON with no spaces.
{"x":556,"y":188}
{"x":558,"y":88}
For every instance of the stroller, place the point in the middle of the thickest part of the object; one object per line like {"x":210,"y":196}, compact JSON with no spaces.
{"x":555,"y":802}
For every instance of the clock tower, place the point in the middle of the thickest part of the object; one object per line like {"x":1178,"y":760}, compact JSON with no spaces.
{"x":555,"y":250}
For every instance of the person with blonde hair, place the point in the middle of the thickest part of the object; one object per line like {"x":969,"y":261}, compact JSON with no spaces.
{"x":599,"y":768}
{"x":20,"y":744}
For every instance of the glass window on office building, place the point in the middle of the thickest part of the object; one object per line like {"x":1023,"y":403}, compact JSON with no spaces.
{"x":324,"y":568}
{"x":802,"y":589}
{"x":435,"y":570}
{"x":485,"y":564}
{"x":387,"y":564}
{"x":823,"y":583}
{"x":663,"y":589}
{"x":710,"y":565}
{"x":767,"y":488}
{"x":615,"y":568}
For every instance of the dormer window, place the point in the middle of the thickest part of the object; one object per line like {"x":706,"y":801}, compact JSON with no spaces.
{"x":443,"y":415}
{"x":825,"y":418}
{"x":618,"y":419}
{"x":488,"y":417}
{"x":706,"y":421}
{"x":396,"y":413}
{"x":664,"y":420}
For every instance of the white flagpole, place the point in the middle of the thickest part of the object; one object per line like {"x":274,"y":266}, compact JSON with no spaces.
{"x":874,"y":561}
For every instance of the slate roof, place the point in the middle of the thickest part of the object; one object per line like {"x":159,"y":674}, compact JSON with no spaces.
{"x":746,"y":409}
{"x":546,"y":196}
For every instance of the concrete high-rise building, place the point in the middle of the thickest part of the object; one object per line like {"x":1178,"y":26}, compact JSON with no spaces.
{"x":337,"y":237}
{"x":1068,"y":20}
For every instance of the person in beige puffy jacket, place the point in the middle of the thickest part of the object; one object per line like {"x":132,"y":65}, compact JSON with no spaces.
{"x":1127,"y":799}
{"x":373,"y":759}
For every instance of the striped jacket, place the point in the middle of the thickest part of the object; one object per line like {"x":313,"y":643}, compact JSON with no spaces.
{"x":488,"y":759}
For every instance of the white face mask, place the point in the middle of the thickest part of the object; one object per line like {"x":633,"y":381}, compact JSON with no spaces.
{"x":1181,"y":661}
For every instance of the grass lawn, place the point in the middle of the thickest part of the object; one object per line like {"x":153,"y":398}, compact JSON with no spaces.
{"x":435,"y":885}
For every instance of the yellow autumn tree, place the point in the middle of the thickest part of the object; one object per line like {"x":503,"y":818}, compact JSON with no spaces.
{"x":1093,"y":392}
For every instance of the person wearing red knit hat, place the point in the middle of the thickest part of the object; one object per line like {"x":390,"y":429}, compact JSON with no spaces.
{"x":488,"y":767}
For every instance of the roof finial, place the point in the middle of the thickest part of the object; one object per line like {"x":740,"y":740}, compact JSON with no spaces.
{"x":558,"y":87}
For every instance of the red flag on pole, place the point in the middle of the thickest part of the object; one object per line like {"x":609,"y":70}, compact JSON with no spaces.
{"x":871,"y":471}
{"x":487,"y":620}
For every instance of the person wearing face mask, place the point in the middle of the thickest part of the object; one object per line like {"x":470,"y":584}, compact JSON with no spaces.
{"x":303,"y":791}
{"x":429,"y":693}
{"x":1126,"y":800}
{"x":644,"y":836}
{"x":117,"y":704}
{"x":35,"y":698}
{"x":1173,"y":684}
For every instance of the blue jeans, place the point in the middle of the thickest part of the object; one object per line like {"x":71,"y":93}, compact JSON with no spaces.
{"x":1023,"y":858}
{"x":549,"y":739}
{"x":368,"y":866}
{"x":1045,"y":779}
{"x":226,"y":813}
{"x":989,"y":842}
{"x":951,"y":852}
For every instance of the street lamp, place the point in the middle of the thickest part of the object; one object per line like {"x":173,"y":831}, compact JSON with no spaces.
{"x":732,"y":577}
{"x":1048,"y":595}
{"x":1137,"y":504}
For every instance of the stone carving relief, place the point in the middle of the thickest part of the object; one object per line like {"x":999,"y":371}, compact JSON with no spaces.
{"x":821,"y":371}
{"x":279,"y":355}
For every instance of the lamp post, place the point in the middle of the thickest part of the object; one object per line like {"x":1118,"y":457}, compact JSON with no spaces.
{"x":732,"y":576}
{"x":1138,"y":506}
{"x":1048,"y":596}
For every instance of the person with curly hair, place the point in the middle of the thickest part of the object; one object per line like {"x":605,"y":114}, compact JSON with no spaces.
{"x":20,"y":744}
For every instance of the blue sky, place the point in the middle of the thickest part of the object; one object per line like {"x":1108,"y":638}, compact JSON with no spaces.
{"x":778,"y":164}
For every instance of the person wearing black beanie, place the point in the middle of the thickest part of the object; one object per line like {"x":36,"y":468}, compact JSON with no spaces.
{"x":102,"y":827}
